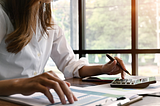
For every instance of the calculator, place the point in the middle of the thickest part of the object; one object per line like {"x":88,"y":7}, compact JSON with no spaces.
{"x":133,"y":83}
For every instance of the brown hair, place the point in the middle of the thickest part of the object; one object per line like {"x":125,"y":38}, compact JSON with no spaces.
{"x":22,"y":15}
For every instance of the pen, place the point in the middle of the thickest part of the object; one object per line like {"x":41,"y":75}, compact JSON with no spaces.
{"x":115,"y":101}
{"x":112,"y":59}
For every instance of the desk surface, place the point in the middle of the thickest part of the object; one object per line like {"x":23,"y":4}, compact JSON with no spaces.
{"x":147,"y":101}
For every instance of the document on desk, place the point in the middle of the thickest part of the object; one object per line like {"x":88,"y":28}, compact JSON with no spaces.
{"x":152,"y":88}
{"x":86,"y":97}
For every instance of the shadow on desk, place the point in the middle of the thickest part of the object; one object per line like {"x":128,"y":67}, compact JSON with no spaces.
{"x":79,"y":83}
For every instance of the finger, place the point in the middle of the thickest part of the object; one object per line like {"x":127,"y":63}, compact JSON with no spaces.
{"x":53,"y":74}
{"x":115,"y":70}
{"x":123,"y":75}
{"x":45,"y":91}
{"x":112,"y":65}
{"x":118,"y":70}
{"x":123,"y":66}
{"x":67,"y":92}
{"x":61,"y":89}
{"x":108,"y":68}
{"x":59,"y":92}
{"x":55,"y":85}
{"x":74,"y":97}
{"x":121,"y":62}
{"x":109,"y":62}
{"x":67,"y":83}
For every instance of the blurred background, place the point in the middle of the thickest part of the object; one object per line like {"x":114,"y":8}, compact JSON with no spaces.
{"x":107,"y":27}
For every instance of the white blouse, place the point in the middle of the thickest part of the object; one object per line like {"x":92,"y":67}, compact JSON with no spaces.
{"x":31,"y":60}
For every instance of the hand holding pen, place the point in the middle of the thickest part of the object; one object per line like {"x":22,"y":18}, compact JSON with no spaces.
{"x":112,"y":59}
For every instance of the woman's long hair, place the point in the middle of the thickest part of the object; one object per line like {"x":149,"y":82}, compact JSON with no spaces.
{"x":23,"y":15}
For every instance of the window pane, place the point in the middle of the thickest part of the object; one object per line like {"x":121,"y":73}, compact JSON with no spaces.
{"x":148,"y":24}
{"x":65,"y":13}
{"x":108,"y":24}
{"x":149,"y":64}
{"x":102,"y":59}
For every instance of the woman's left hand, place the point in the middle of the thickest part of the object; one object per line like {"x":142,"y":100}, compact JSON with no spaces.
{"x":111,"y":68}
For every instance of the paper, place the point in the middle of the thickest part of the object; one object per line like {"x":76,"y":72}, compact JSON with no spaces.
{"x":85,"y":98}
{"x":126,"y":91}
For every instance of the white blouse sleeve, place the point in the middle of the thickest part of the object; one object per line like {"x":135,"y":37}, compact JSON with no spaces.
{"x":63,"y":56}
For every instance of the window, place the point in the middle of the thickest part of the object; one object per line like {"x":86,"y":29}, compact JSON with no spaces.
{"x":65,"y":13}
{"x":105,"y":25}
{"x":148,"y":37}
{"x":66,"y":16}
{"x":106,"y":30}
{"x":125,"y":28}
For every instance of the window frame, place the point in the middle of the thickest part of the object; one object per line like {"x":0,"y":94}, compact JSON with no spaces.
{"x":134,"y":51}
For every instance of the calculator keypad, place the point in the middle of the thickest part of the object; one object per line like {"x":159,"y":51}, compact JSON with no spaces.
{"x":133,"y":83}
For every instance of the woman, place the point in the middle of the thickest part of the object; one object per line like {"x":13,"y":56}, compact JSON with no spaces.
{"x":28,"y":37}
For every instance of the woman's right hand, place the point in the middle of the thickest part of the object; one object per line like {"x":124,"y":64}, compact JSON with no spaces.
{"x":42,"y":83}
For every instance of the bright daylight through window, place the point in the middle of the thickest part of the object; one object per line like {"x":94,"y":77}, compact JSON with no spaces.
{"x":108,"y":28}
